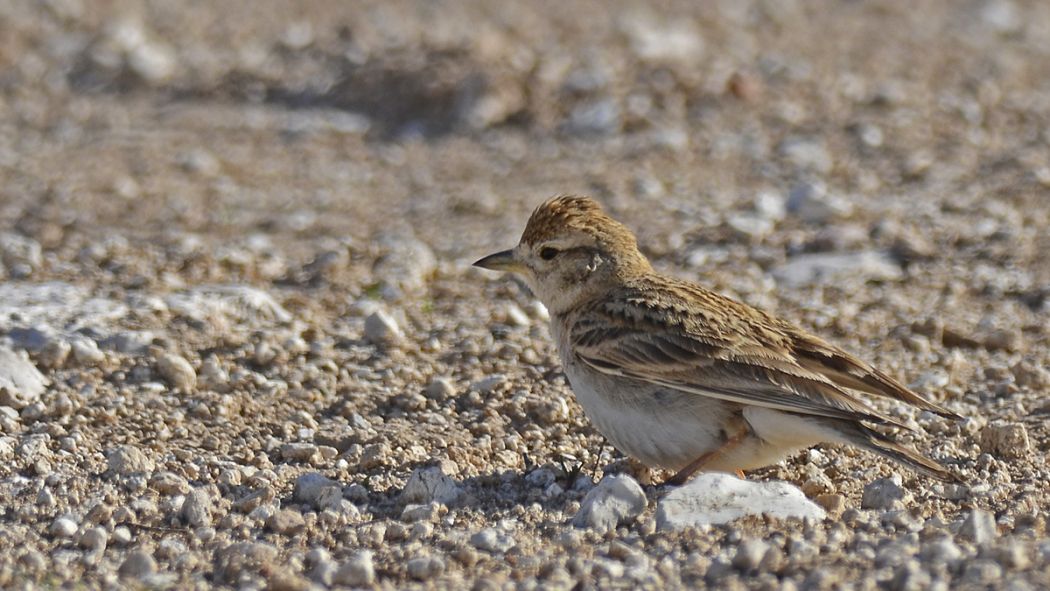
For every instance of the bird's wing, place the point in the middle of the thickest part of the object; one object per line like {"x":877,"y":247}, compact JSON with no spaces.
{"x":693,"y":340}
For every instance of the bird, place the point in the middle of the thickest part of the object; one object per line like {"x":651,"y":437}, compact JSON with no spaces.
{"x":681,"y":378}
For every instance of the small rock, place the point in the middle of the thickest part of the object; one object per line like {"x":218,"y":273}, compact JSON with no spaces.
{"x":357,"y":571}
{"x":812,"y":203}
{"x":824,"y":268}
{"x":86,"y":352}
{"x":300,"y":452}
{"x":885,"y":494}
{"x":63,"y":527}
{"x":381,"y":329}
{"x":749,"y":226}
{"x":1003,"y":339}
{"x":1028,"y":375}
{"x":94,"y":539}
{"x":245,"y":558}
{"x":129,"y":342}
{"x":616,"y":500}
{"x":749,"y":554}
{"x":440,"y":389}
{"x":406,"y":265}
{"x":20,"y":381}
{"x":714,"y":498}
{"x":431,"y":484}
{"x":425,"y":567}
{"x":310,"y":486}
{"x":177,"y":372}
{"x":492,"y":540}
{"x":127,"y":460}
{"x":254,"y":500}
{"x":428,"y":512}
{"x":196,"y":509}
{"x":1004,"y":439}
{"x":286,"y":522}
{"x":168,"y":483}
{"x":979,"y":527}
{"x":942,"y":551}
{"x":20,"y":254}
{"x":834,"y":504}
{"x":138,"y":565}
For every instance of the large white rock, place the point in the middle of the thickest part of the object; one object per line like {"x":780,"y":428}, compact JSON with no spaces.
{"x":20,"y":381}
{"x":618,"y":499}
{"x":715,"y":498}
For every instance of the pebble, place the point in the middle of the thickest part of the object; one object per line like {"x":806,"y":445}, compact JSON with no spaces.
{"x":492,"y":540}
{"x":423,"y":568}
{"x":286,"y":522}
{"x":440,"y":389}
{"x":94,"y":538}
{"x":427,"y":512}
{"x":63,"y":527}
{"x":381,"y":329}
{"x":431,"y":484}
{"x":406,"y":265}
{"x":807,"y":154}
{"x":196,"y":509}
{"x":749,"y":554}
{"x":812,"y":203}
{"x":826,"y":268}
{"x":714,"y":498}
{"x":616,"y":500}
{"x":833,"y":504}
{"x":126,"y":460}
{"x":885,"y":494}
{"x":300,"y":452}
{"x":20,"y":382}
{"x":979,"y":527}
{"x":244,"y":558}
{"x":86,"y":352}
{"x":139,"y":564}
{"x":177,"y":372}
{"x":20,"y":254}
{"x":357,"y":571}
{"x":168,"y":483}
{"x":1005,"y":439}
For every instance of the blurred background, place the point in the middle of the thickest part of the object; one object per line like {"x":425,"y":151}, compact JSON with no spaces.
{"x":697,"y":120}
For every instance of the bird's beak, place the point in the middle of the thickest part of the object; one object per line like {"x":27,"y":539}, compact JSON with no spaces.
{"x":501,"y":261}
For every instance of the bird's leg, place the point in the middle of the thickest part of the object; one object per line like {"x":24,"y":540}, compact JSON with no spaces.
{"x":740,"y":474}
{"x":684,"y":474}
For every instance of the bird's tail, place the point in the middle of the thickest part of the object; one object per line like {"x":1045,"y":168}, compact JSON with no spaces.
{"x":866,"y":438}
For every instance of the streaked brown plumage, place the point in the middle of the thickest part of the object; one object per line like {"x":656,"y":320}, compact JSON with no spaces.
{"x":681,"y":377}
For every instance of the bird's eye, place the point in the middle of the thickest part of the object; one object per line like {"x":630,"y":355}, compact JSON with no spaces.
{"x":548,"y":253}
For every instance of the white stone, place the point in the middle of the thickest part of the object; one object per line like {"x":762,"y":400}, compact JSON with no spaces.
{"x":616,"y":500}
{"x":357,"y":571}
{"x":715,"y":498}
{"x":20,"y":381}
{"x":381,"y":328}
{"x":824,"y":268}
{"x":979,"y":527}
{"x":313,"y":488}
{"x":128,"y":459}
{"x":177,"y":372}
{"x":431,"y":484}
{"x":885,"y":494}
{"x":86,"y":352}
{"x":63,"y":527}
{"x":492,"y":540}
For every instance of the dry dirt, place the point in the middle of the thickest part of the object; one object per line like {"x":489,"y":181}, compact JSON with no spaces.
{"x":236,"y":242}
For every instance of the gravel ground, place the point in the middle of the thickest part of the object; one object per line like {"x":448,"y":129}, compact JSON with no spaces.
{"x":242,"y":346}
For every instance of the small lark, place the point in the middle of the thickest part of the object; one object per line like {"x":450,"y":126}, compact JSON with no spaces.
{"x":682,"y":378}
